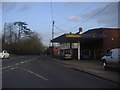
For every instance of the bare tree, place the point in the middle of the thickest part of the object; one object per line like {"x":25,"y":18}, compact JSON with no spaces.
{"x":23,"y":40}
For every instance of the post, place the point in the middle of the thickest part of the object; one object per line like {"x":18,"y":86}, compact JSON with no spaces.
{"x":4,"y":36}
{"x":70,"y":48}
{"x":78,"y":50}
{"x":52,"y":37}
{"x":53,"y":29}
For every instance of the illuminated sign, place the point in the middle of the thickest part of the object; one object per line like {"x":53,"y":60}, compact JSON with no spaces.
{"x":73,"y":35}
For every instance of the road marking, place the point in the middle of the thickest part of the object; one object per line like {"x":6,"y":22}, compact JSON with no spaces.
{"x":12,"y":68}
{"x":21,"y":62}
{"x":17,"y":64}
{"x":26,"y":61}
{"x":29,"y":60}
{"x":9,"y":66}
{"x":36,"y":74}
{"x":9,"y":69}
{"x":6,"y":67}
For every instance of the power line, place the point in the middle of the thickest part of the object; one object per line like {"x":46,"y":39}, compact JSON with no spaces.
{"x":59,"y":29}
{"x":90,"y":6}
{"x":84,"y":10}
{"x":94,"y":15}
{"x":52,"y":16}
{"x":62,"y":25}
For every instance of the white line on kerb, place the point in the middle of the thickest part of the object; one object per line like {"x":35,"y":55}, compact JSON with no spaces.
{"x":36,"y":74}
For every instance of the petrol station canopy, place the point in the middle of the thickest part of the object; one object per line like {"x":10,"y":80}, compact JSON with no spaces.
{"x":74,"y":38}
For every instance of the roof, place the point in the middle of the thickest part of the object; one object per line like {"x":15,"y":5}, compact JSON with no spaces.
{"x":100,"y":30}
{"x":90,"y":35}
{"x":74,"y":38}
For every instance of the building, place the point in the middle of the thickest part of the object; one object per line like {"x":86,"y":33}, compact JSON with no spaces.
{"x":92,"y":44}
{"x":55,"y":50}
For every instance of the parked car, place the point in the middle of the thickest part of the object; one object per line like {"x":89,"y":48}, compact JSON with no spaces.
{"x":4,"y":54}
{"x":66,"y":55}
{"x":112,"y":58}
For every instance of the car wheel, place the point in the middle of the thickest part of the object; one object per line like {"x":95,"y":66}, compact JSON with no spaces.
{"x":104,"y":64}
{"x":3,"y":57}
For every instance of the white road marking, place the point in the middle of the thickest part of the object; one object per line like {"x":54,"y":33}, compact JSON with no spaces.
{"x":29,"y":60}
{"x":17,"y":64}
{"x":12,"y":68}
{"x":21,"y":62}
{"x":36,"y":74}
{"x":9,"y":66}
{"x":26,"y":61}
{"x":6,"y":67}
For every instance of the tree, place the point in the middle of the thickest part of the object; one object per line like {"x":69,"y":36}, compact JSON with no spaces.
{"x":25,"y":41}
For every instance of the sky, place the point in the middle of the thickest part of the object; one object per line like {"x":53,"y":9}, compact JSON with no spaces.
{"x":68,"y":16}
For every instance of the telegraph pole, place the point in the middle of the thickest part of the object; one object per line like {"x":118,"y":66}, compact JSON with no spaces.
{"x":53,"y":29}
{"x":53,"y":37}
{"x":4,"y":39}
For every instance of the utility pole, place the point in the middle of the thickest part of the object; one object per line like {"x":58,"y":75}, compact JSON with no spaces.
{"x":53,"y":37}
{"x":4,"y":39}
{"x":53,"y":29}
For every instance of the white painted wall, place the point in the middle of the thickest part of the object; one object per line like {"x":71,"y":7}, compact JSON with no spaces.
{"x":74,"y":45}
{"x":65,"y":46}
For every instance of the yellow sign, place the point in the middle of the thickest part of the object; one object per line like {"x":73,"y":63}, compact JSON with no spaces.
{"x":73,"y":35}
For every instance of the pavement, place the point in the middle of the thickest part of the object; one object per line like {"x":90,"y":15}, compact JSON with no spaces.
{"x":93,"y":67}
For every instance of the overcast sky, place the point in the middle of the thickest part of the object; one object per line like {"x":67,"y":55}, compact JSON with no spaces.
{"x":68,"y":16}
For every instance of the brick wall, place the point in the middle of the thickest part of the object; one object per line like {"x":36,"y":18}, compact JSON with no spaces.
{"x":112,"y":40}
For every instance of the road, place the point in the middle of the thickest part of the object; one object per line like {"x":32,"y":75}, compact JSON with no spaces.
{"x":43,"y":72}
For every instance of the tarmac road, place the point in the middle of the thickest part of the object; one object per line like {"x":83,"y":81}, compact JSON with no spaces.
{"x":43,"y":72}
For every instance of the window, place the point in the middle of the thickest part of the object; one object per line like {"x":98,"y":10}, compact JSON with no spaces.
{"x":109,"y":53}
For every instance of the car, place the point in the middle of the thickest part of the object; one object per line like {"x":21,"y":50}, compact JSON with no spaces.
{"x":112,"y":58}
{"x":66,"y":55}
{"x":4,"y":54}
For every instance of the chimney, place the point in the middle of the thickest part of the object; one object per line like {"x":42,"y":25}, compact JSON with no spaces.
{"x":80,"y":30}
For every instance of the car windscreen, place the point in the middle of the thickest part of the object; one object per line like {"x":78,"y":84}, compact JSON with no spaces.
{"x":67,"y":52}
